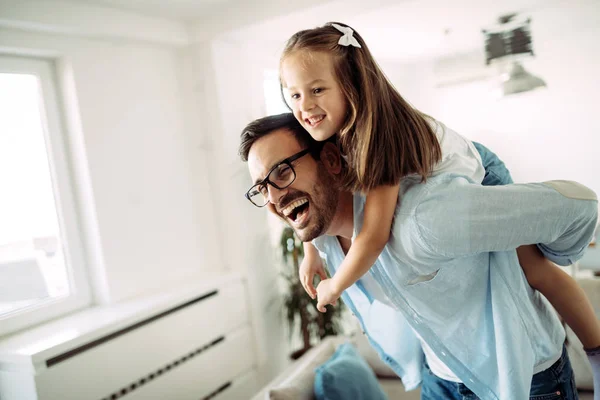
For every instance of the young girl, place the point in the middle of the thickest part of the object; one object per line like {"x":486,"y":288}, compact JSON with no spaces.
{"x":335,"y":87}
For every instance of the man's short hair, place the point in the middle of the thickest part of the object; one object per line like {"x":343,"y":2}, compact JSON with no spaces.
{"x":263,"y":126}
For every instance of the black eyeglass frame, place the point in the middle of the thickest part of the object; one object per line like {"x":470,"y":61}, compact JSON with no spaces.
{"x":266,"y":181}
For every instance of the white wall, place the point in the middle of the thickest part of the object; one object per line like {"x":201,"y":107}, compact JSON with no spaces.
{"x":233,"y":92}
{"x":550,"y":133}
{"x":154,"y":224}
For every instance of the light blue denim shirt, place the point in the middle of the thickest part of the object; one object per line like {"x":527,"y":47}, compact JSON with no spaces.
{"x":451,"y":273}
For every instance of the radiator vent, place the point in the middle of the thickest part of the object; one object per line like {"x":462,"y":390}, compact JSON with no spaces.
{"x":65,"y":356}
{"x":216,"y":392}
{"x":146,"y":379}
{"x":167,"y":350}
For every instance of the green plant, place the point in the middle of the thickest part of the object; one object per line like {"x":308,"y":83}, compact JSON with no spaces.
{"x":298,"y":306}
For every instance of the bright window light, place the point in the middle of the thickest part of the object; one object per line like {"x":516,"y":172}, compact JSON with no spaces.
{"x":32,"y":264}
{"x":273,"y":102}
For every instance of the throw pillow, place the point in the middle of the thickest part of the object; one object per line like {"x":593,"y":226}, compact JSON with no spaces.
{"x":346,"y":375}
{"x":371,"y":356}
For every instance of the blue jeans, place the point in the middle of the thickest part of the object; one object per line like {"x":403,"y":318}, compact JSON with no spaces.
{"x":555,"y":383}
{"x":496,"y":172}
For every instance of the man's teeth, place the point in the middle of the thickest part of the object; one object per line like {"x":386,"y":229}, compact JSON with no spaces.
{"x":292,"y":206}
{"x":317,"y":119}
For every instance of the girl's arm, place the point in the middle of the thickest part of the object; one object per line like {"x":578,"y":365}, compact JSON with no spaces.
{"x":368,"y":244}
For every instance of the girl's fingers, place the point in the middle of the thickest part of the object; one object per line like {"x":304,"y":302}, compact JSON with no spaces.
{"x":321,"y":307}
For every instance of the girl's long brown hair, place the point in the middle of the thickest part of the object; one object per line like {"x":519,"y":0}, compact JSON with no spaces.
{"x":384,"y":137}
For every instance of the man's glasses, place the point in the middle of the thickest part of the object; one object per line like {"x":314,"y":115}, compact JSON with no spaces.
{"x":280,"y":176}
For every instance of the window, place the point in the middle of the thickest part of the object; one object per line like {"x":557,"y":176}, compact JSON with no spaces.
{"x":41,"y":257}
{"x":273,"y":101}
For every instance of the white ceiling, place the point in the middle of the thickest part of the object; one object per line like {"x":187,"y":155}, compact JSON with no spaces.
{"x":204,"y":10}
{"x":394,"y":29}
{"x":172,"y":9}
{"x":402,"y":30}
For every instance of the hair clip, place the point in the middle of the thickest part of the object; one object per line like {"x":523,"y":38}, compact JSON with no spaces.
{"x":347,"y":39}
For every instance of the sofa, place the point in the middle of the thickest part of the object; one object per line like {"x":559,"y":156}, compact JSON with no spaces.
{"x":296,"y":382}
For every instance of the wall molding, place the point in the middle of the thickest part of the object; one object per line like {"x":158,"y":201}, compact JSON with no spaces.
{"x":89,"y":21}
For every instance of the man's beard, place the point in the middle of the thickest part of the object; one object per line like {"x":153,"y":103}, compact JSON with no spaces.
{"x":323,"y":206}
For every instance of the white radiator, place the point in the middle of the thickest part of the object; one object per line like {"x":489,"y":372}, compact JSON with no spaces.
{"x":201,"y":349}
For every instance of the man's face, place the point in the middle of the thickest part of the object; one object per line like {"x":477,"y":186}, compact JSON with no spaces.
{"x":309,"y":204}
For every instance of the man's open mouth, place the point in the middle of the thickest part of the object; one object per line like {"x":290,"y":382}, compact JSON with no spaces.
{"x":296,"y":210}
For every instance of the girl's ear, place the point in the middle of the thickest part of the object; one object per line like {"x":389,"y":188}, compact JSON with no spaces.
{"x":331,"y":158}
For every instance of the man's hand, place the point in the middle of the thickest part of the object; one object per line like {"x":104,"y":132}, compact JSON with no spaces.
{"x":310,"y":267}
{"x":327,"y":293}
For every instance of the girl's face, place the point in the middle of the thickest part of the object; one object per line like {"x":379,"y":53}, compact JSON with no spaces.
{"x":313,"y":93}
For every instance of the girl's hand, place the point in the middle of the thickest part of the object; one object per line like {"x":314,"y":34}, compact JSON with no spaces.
{"x":327,"y":293}
{"x":310,"y":267}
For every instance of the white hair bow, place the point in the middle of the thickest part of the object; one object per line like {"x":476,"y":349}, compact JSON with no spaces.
{"x":347,"y":39}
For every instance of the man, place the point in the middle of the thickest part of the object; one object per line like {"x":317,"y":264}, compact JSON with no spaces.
{"x":448,"y":283}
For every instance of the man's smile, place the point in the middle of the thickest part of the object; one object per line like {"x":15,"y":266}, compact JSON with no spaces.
{"x":296,"y":211}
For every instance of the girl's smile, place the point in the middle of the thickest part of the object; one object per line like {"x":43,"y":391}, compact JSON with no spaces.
{"x":313,"y":93}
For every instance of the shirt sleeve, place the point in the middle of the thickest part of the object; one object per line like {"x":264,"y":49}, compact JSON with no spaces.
{"x":457,"y":219}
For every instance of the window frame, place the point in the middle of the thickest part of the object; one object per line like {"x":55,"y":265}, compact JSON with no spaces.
{"x":64,"y":186}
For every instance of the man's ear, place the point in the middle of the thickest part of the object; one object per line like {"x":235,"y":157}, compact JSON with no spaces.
{"x":331,"y":158}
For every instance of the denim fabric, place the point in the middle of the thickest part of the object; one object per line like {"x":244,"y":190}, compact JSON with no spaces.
{"x":496,"y":172}
{"x":555,"y":383}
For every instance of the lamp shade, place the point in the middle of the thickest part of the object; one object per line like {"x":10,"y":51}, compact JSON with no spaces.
{"x":518,"y":80}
